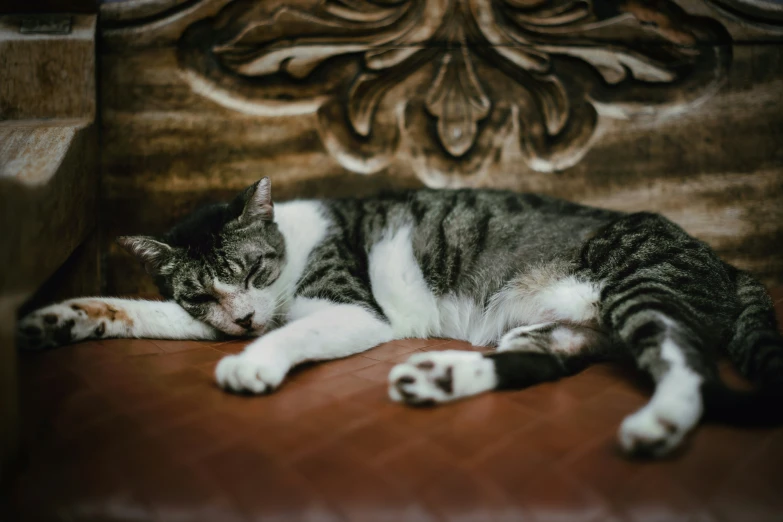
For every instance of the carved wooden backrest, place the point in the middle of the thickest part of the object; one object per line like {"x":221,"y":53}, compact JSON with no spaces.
{"x":655,"y":105}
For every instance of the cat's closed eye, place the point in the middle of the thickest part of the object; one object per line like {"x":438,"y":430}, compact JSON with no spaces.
{"x":200,"y":299}
{"x":253,"y":271}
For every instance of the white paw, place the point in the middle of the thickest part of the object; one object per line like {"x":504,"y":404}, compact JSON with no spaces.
{"x":659,"y":427}
{"x":58,"y":325}
{"x":251,"y":372}
{"x":435,"y":377}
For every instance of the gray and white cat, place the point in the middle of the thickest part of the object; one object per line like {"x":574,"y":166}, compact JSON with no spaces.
{"x":553,"y":285}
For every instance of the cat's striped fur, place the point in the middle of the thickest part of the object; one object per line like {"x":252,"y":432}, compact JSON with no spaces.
{"x":554,"y":285}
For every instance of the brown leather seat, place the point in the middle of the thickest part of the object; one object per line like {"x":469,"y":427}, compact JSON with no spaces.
{"x":136,"y":430}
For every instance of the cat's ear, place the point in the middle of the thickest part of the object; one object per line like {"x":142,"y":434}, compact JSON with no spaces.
{"x":155,"y":255}
{"x":257,"y":202}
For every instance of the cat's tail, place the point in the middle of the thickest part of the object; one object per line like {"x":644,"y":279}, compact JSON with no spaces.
{"x":756,"y":348}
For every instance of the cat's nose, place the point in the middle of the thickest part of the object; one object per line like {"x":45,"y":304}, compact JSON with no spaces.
{"x":245,"y":322}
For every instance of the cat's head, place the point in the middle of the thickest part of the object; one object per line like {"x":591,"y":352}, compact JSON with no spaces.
{"x":220,"y":262}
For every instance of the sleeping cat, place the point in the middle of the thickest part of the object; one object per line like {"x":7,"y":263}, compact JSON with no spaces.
{"x":553,"y":285}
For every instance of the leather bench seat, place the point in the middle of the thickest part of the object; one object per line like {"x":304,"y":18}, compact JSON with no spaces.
{"x":137,"y":430}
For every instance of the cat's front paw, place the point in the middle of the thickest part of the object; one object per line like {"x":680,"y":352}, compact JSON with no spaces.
{"x":61,"y":324}
{"x":435,"y":377}
{"x":251,"y":372}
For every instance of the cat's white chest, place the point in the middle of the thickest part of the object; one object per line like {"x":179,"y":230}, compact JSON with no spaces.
{"x":399,"y":287}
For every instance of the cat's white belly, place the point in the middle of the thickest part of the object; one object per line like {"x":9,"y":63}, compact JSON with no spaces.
{"x":414,"y":311}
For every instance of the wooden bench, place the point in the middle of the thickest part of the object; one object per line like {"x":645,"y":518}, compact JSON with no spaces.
{"x":48,"y":176}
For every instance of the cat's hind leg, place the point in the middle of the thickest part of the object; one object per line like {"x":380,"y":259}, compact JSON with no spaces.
{"x":667,"y":300}
{"x":426,"y":379}
{"x":675,"y":407}
{"x":525,"y":356}
{"x":99,"y":317}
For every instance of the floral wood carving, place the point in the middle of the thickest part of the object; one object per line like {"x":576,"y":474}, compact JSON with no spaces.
{"x":449,"y":85}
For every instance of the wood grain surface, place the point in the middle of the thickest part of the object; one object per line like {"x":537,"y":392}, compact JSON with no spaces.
{"x":47,"y":75}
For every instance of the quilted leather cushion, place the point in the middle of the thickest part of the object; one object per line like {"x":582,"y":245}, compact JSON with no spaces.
{"x":136,"y":430}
